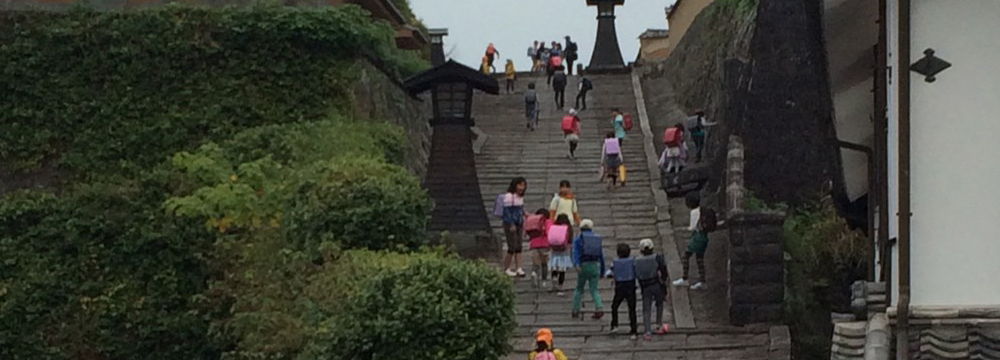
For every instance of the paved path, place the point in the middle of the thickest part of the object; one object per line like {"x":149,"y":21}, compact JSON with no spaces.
{"x":624,"y":215}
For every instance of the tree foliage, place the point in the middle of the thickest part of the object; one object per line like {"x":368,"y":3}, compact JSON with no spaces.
{"x":195,"y":145}
{"x":432,"y":309}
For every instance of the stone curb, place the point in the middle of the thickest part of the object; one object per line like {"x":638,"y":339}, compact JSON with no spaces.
{"x":680,"y":301}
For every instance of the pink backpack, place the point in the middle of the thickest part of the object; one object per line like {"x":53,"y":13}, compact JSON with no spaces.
{"x":611,"y":147}
{"x":545,"y":355}
{"x":534,"y":226}
{"x":558,"y":237}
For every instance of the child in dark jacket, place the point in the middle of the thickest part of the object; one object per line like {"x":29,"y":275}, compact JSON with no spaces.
{"x":623,"y":269}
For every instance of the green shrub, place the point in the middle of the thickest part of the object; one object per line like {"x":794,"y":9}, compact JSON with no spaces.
{"x":320,"y":182}
{"x":432,"y":309}
{"x":821,"y":248}
{"x":361,"y":203}
{"x":96,"y":273}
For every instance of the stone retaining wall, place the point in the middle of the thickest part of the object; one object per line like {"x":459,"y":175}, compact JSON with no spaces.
{"x":756,"y":253}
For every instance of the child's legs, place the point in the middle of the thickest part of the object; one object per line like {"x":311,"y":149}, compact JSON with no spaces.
{"x":647,"y":311}
{"x":686,"y":262}
{"x":619,"y":297}
{"x":593,"y":275}
{"x":658,"y":299}
{"x":581,"y":281}
{"x":630,"y":299}
{"x":700,"y":258}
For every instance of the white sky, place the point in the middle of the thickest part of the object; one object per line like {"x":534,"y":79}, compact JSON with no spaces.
{"x":513,"y":25}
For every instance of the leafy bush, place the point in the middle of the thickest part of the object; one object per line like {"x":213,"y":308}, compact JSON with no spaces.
{"x":359,"y":203}
{"x":96,"y":273}
{"x":120,"y":91}
{"x":432,"y":309}
{"x":283,"y":304}
{"x":825,"y":257}
{"x":321,"y":182}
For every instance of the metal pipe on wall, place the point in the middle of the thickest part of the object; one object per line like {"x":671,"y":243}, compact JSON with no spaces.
{"x":903,"y":303}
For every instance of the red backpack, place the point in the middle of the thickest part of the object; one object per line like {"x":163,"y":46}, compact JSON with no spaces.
{"x":556,"y":61}
{"x":568,"y":124}
{"x":628,"y":122}
{"x":672,"y":137}
{"x":535,"y":226}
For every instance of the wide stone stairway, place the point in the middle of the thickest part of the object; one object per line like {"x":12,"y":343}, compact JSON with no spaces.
{"x":626,"y":214}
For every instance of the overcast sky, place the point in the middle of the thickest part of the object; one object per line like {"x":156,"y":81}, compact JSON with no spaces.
{"x":513,"y":25}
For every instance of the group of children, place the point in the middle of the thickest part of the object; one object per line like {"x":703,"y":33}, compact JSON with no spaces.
{"x":674,"y":138}
{"x":554,"y":250}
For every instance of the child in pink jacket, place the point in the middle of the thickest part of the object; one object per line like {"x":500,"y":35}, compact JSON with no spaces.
{"x":539,"y":247}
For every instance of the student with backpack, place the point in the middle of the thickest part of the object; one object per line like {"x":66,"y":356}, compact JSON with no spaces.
{"x":559,"y":86}
{"x":533,"y":56}
{"x":619,"y":125}
{"x":564,"y":203}
{"x":560,"y":236}
{"x":571,"y":56}
{"x":491,"y":53}
{"x":571,"y":132}
{"x":701,"y":223}
{"x":698,"y":126}
{"x":543,"y":58}
{"x":623,"y":270}
{"x":673,"y":139}
{"x":545,"y":348}
{"x":611,"y":159}
{"x":513,"y":224}
{"x":581,"y":95}
{"x":511,"y":75}
{"x":537,"y":227}
{"x":651,"y":272}
{"x":531,"y":106}
{"x":588,"y":259}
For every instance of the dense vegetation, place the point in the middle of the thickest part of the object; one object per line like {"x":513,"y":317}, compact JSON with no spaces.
{"x":825,"y":257}
{"x":216,"y":199}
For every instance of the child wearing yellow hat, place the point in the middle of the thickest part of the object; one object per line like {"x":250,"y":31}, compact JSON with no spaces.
{"x":545,"y":350}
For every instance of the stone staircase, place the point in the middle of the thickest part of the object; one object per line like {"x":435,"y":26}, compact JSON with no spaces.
{"x":626,"y":214}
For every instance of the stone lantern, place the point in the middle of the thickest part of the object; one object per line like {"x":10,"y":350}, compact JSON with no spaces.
{"x":451,"y":178}
{"x":607,"y":56}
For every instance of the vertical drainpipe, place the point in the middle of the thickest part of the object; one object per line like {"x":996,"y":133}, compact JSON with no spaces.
{"x":881,"y":147}
{"x":903,"y":303}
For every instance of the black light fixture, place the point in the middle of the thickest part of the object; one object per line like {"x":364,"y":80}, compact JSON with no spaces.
{"x":929,"y":66}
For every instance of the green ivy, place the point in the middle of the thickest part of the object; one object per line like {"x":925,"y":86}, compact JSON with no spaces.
{"x":97,"y":91}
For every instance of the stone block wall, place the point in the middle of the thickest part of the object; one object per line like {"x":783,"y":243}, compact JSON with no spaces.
{"x":756,"y":254}
{"x":379,"y":96}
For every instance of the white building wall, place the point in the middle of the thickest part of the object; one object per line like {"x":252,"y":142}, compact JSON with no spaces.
{"x":955,"y":171}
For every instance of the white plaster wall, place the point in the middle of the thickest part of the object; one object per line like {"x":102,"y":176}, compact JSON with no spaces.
{"x":850,"y":31}
{"x":955,"y":172}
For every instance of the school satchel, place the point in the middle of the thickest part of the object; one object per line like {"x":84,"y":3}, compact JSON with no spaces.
{"x":628,"y":122}
{"x":591,"y":246}
{"x":709,"y":221}
{"x":567,"y":124}
{"x":672,"y":137}
{"x":534,"y":226}
{"x":498,"y":206}
{"x":545,"y":355}
{"x":558,"y":237}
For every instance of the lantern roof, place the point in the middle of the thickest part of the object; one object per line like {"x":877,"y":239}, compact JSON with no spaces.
{"x":450,"y":72}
